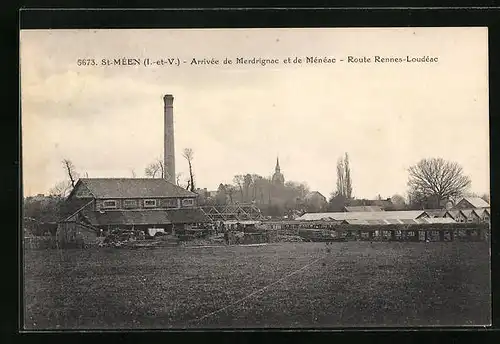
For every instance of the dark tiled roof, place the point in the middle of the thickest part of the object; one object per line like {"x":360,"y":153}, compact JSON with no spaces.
{"x":128,"y":217}
{"x":188,"y":215}
{"x":134,"y":188}
{"x":146,"y":217}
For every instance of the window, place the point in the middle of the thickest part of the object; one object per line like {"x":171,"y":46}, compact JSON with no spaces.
{"x":109,"y":204}
{"x":410,"y":233}
{"x":188,"y":202}
{"x":171,"y":203}
{"x":149,"y":203}
{"x":130,"y":203}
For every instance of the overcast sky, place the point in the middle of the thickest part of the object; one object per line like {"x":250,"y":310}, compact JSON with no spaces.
{"x":238,"y":118}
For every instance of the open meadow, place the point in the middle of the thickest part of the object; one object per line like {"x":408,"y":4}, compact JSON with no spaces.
{"x":278,"y":285}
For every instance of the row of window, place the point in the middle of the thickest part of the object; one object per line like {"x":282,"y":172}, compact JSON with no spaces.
{"x":147,"y":203}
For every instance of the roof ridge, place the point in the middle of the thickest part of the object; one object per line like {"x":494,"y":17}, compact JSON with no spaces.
{"x":128,"y":178}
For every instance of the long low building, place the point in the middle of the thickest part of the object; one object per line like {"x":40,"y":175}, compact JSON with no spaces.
{"x":399,"y":221}
{"x":363,"y":215}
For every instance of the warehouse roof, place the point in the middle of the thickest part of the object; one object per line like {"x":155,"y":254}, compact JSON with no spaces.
{"x":364,"y":208}
{"x":132,"y":188}
{"x":373,"y":215}
{"x":398,"y":221}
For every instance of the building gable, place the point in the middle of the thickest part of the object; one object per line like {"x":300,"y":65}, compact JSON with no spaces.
{"x":82,"y":191}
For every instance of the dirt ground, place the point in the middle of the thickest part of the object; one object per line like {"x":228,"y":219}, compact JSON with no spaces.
{"x":279,"y":285}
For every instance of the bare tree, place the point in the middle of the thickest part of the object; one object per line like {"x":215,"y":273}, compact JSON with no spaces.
{"x":155,"y":168}
{"x":61,"y":189}
{"x":133,"y":173}
{"x":437,"y":179}
{"x":71,"y":171}
{"x":188,"y":155}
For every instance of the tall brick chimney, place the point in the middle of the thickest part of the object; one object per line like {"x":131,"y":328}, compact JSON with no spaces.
{"x":169,"y":149}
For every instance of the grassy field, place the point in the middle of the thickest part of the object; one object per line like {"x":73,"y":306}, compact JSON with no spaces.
{"x":279,"y":285}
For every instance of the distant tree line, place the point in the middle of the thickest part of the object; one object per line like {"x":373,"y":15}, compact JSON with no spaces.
{"x":271,"y":199}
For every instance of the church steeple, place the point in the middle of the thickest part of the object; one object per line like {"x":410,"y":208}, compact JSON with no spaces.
{"x":278,"y":178}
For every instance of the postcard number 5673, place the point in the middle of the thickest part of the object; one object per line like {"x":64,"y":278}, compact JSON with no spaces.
{"x":86,"y":62}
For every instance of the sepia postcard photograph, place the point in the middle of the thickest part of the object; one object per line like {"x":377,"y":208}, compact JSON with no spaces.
{"x":292,"y":178}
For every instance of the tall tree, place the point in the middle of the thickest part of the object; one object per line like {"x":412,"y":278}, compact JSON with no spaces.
{"x":247,"y":182}
{"x":344,"y":181}
{"x":221,"y":196}
{"x":238,"y":180}
{"x":230,"y":192}
{"x":437,"y":179}
{"x":188,"y":155}
{"x":70,"y":171}
{"x":256,"y":185}
{"x":340,"y":177}
{"x":347,"y":178}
